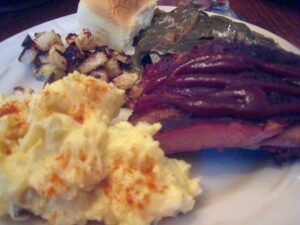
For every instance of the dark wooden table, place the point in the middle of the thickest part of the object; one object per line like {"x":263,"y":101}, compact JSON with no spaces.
{"x":281,"y":17}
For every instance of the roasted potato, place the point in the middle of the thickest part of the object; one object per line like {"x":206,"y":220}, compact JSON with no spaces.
{"x":44,"y":40}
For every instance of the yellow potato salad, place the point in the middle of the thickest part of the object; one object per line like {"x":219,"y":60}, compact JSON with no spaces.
{"x":62,"y":159}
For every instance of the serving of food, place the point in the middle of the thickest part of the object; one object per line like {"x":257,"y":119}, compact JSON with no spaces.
{"x":62,"y":160}
{"x":184,"y":81}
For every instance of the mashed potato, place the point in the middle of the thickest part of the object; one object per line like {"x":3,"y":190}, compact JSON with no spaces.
{"x":63,"y":160}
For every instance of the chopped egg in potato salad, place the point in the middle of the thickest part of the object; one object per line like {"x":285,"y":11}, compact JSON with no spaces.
{"x":62,"y":159}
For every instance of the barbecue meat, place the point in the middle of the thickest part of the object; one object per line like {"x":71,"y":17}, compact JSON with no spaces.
{"x":223,"y":95}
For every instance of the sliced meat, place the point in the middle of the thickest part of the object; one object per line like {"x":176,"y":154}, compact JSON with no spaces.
{"x":214,"y":57}
{"x":220,"y":135}
{"x":290,"y":137}
{"x":222,"y":95}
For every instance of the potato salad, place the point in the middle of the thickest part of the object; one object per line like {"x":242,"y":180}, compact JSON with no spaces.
{"x":63,"y":160}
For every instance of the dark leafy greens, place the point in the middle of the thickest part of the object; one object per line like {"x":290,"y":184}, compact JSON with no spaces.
{"x":185,"y":27}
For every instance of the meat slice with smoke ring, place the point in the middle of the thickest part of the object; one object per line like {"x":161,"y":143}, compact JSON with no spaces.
{"x":236,"y":95}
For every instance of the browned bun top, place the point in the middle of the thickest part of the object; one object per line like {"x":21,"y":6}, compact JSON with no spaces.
{"x":121,"y":11}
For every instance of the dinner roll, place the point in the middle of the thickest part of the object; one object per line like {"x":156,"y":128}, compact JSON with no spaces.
{"x":116,"y":22}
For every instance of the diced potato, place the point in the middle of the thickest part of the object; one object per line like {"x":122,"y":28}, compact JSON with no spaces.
{"x":71,"y":38}
{"x":112,"y":68}
{"x":100,"y":74}
{"x":74,"y":56}
{"x":54,"y":77}
{"x":126,"y":80}
{"x":44,"y":40}
{"x":56,"y":58}
{"x":85,"y":40}
{"x":27,"y":42}
{"x":23,"y":90}
{"x":52,"y":60}
{"x":28,"y":55}
{"x":121,"y":58}
{"x":43,"y":58}
{"x":92,"y":62}
{"x":44,"y":71}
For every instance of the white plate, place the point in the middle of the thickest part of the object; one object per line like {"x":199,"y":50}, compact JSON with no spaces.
{"x":240,"y":188}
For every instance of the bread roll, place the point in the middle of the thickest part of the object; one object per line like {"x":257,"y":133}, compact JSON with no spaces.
{"x":116,"y":22}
